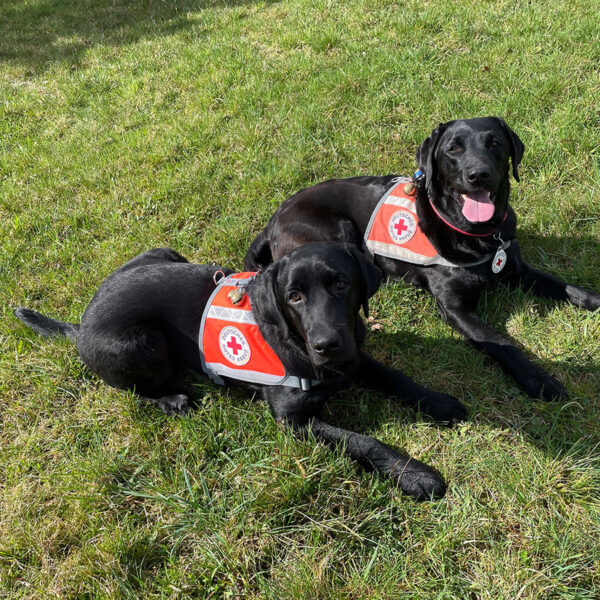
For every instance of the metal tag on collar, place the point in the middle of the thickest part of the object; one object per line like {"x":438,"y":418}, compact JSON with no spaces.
{"x":409,"y":188}
{"x":238,"y":293}
{"x":499,"y":260}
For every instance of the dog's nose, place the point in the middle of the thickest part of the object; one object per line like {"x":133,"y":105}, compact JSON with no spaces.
{"x":325,"y":346}
{"x":478,"y":176}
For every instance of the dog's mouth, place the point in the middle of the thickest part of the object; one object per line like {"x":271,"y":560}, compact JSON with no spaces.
{"x":331,"y":363}
{"x":336,"y":368}
{"x":478,"y":206}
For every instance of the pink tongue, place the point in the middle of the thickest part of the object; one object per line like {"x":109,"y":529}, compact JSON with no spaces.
{"x":478,"y":207}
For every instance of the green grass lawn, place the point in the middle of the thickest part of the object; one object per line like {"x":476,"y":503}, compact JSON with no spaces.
{"x":126,"y":125}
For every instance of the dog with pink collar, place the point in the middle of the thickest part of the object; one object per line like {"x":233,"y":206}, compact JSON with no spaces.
{"x":450,"y":230}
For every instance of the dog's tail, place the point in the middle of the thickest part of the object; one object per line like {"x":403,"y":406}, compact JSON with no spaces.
{"x":259,"y":254}
{"x":45,"y":325}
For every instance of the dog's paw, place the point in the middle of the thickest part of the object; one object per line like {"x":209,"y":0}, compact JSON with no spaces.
{"x":443,"y":408}
{"x":419,"y":481}
{"x":540,"y":384}
{"x":177,"y":404}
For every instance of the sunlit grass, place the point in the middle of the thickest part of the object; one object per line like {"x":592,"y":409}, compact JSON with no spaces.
{"x":129,"y":125}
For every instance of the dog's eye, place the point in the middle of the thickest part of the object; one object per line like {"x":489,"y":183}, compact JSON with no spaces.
{"x":341,"y":285}
{"x":454,"y":148}
{"x":493,"y":143}
{"x":295,"y":297}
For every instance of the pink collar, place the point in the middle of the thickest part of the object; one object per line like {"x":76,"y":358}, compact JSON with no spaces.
{"x":466,"y":232}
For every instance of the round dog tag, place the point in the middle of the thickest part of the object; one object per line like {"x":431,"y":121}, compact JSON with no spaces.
{"x":499,"y":260}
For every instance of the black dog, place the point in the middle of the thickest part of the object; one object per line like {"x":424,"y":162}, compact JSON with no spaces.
{"x":144,"y":323}
{"x":461,"y":217}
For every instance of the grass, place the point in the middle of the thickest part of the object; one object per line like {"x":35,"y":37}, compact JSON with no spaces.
{"x":128,"y":125}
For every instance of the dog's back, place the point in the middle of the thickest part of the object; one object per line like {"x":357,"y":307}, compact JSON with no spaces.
{"x":149,"y":311}
{"x":335,"y":210}
{"x":142,"y":324}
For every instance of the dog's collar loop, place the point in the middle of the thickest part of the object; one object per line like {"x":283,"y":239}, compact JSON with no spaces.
{"x":217,"y":276}
{"x":466,"y":232}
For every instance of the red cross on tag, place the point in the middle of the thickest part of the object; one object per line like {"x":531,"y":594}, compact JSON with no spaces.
{"x":498,"y":261}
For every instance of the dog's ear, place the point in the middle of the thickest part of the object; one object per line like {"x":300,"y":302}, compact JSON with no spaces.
{"x":371,"y":276}
{"x":265,"y":301}
{"x":516,"y":147}
{"x":426,"y":153}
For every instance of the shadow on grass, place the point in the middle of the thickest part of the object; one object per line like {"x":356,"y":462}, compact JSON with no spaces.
{"x":493,"y":398}
{"x":575,"y":259}
{"x":453,"y":365}
{"x":37,"y":33}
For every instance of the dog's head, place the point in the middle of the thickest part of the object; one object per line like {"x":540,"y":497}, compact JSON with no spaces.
{"x":466,"y":168}
{"x":313,"y":296}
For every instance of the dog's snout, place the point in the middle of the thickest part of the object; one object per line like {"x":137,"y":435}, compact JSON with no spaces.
{"x":326,"y":345}
{"x":478,"y":176}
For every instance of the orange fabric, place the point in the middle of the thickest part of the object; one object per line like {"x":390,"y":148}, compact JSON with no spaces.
{"x":230,"y":338}
{"x":398,"y":225}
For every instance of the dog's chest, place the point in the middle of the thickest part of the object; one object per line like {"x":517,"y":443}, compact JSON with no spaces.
{"x":231,"y":344}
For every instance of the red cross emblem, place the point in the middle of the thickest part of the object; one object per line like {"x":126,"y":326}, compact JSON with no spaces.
{"x":233,"y":344}
{"x":499,"y":261}
{"x":400,"y":227}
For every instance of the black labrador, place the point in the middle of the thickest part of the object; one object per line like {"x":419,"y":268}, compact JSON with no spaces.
{"x":143,"y":324}
{"x":461,"y":194}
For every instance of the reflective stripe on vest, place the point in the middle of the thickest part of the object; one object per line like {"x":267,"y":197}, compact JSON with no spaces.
{"x":393,"y":231}
{"x":231,"y":344}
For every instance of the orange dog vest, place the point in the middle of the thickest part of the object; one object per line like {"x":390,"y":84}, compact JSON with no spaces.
{"x":394,"y":231}
{"x":231,"y":344}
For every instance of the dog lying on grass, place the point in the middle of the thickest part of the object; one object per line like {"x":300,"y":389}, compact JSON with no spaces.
{"x":293,"y":333}
{"x":449,"y":230}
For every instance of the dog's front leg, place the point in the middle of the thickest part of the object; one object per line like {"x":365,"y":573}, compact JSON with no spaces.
{"x":532,"y":379}
{"x":410,"y":475}
{"x":376,"y":376}
{"x":548,"y":286}
{"x":293,"y":407}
